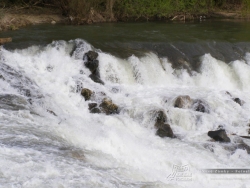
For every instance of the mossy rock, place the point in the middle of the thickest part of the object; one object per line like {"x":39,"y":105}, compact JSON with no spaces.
{"x":108,"y":107}
{"x":86,"y":93}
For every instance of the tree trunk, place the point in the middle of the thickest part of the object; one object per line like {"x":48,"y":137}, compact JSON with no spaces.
{"x":109,"y":9}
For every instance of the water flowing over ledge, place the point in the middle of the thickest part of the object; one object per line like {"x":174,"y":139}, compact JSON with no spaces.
{"x":50,"y":138}
{"x":46,"y":146}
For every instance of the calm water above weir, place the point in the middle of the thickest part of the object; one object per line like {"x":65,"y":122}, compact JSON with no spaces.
{"x":125,"y":39}
{"x":50,"y":137}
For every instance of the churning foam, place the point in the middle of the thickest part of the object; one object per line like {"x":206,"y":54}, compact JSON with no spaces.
{"x":79,"y":149}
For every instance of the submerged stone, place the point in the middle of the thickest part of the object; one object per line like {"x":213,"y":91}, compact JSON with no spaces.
{"x":165,"y":131}
{"x":183,"y":102}
{"x":200,"y":106}
{"x":244,"y":146}
{"x":13,"y":102}
{"x":95,"y":111}
{"x":161,"y":118}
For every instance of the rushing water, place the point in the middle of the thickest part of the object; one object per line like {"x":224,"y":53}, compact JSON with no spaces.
{"x":50,"y":139}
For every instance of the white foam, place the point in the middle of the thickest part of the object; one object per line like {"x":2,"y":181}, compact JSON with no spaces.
{"x":120,"y":150}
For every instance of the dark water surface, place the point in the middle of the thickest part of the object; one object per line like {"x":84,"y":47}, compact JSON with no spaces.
{"x":226,"y":40}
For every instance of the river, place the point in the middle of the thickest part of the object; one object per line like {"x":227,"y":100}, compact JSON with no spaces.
{"x":49,"y":138}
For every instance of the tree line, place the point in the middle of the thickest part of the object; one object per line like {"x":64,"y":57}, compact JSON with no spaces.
{"x":133,"y":9}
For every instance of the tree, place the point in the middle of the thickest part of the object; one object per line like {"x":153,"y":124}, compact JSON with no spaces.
{"x":109,"y":9}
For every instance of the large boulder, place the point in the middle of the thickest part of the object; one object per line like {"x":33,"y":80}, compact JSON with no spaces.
{"x":165,"y":131}
{"x":92,"y":64}
{"x":219,"y":135}
{"x":183,"y":102}
{"x":86,"y":93}
{"x":108,"y":107}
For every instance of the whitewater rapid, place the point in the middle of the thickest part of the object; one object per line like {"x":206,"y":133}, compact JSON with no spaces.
{"x":50,"y":139}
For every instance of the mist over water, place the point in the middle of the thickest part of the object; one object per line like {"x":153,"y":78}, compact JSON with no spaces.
{"x":50,"y":139}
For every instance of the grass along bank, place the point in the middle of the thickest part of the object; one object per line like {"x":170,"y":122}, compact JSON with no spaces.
{"x":19,"y":13}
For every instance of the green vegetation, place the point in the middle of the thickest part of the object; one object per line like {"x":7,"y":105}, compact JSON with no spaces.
{"x":161,"y":8}
{"x":135,"y":9}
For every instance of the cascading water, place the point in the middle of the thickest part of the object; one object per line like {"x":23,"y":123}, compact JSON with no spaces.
{"x":50,"y":139}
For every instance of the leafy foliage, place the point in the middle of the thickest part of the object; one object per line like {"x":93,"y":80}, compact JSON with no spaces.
{"x":135,"y":8}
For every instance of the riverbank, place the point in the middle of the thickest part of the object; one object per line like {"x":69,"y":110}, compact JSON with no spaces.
{"x":15,"y":18}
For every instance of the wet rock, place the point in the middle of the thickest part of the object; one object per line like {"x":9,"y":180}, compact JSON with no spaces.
{"x":91,"y":55}
{"x":161,"y":118}
{"x":219,"y":135}
{"x":108,"y":107}
{"x":165,"y":131}
{"x":239,"y":101}
{"x":95,"y":111}
{"x":200,"y":106}
{"x":86,"y":93}
{"x":183,"y":102}
{"x":96,"y":79}
{"x":92,"y":105}
{"x":92,"y":65}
